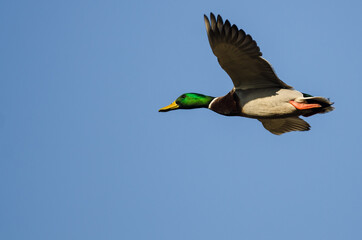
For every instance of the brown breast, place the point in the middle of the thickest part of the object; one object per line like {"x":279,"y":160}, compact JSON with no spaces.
{"x":227,"y":105}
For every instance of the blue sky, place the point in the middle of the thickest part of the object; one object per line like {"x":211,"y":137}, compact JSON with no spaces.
{"x":86,"y":155}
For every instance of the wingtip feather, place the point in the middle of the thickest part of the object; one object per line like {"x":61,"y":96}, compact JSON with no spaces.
{"x":207,"y":23}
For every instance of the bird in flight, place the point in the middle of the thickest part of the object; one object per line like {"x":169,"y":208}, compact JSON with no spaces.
{"x":258,"y":92}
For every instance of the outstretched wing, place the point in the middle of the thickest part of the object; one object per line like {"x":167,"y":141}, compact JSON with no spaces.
{"x":239,"y":55}
{"x":282,"y":125}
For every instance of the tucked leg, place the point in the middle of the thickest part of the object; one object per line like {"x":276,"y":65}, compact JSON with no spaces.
{"x":303,"y":106}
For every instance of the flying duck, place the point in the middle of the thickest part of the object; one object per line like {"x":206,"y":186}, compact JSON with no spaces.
{"x":258,"y":92}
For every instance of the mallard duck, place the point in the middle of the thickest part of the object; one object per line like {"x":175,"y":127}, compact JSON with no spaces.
{"x":257,"y":93}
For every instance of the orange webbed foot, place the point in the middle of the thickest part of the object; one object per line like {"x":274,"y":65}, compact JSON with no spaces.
{"x":303,"y":106}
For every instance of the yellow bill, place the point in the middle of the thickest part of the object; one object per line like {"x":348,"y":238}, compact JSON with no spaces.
{"x":172,"y":106}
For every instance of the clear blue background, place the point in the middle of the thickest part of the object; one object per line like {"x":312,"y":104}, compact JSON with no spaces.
{"x":85,"y":154}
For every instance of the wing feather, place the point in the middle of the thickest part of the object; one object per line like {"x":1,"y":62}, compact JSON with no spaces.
{"x":282,"y":125}
{"x":239,"y":55}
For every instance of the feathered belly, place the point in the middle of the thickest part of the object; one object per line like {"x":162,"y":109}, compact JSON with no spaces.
{"x":262,"y":109}
{"x":268,"y":103}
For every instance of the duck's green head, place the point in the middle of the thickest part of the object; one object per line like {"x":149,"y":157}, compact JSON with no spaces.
{"x":189,"y":101}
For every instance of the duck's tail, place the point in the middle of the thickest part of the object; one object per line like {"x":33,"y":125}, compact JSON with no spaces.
{"x":326,"y":105}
